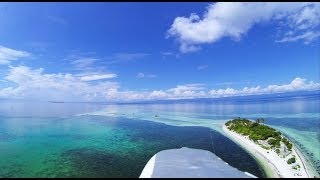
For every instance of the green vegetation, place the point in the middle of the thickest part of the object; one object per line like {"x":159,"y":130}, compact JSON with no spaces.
{"x":274,"y":142}
{"x":265,"y":147}
{"x":287,"y":143}
{"x":296,"y":167}
{"x":291,"y":160}
{"x":257,"y":131}
{"x":278,"y":151}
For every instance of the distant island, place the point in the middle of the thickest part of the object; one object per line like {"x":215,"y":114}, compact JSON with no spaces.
{"x":56,"y":101}
{"x":275,"y":152}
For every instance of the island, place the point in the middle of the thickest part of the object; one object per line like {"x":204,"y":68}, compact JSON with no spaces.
{"x":274,"y":152}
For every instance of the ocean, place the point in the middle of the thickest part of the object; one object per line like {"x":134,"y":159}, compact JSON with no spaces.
{"x":46,"y":139}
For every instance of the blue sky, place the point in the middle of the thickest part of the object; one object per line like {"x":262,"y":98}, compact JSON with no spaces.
{"x":137,"y":51}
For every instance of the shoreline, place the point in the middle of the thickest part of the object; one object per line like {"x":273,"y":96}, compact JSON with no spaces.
{"x":272,"y":165}
{"x":309,"y":168}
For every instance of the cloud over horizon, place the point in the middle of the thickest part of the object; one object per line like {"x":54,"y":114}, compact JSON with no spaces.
{"x":38,"y":85}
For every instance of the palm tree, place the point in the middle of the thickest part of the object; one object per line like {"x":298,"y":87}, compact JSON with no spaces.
{"x":258,"y":120}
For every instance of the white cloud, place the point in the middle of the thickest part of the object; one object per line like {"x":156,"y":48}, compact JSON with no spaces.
{"x":151,"y":76}
{"x":88,"y":66}
{"x":308,"y":17}
{"x":125,"y":57}
{"x":298,"y":84}
{"x":98,"y":77}
{"x":158,"y":95}
{"x":7,"y":55}
{"x":187,"y":91}
{"x":83,"y":62}
{"x":35,"y":84}
{"x":188,"y":48}
{"x":169,"y":54}
{"x":188,"y":87}
{"x":234,"y":19}
{"x":308,"y":37}
{"x":202,"y":67}
{"x":142,"y":75}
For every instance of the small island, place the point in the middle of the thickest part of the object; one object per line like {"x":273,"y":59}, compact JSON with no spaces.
{"x":56,"y":101}
{"x":275,"y":152}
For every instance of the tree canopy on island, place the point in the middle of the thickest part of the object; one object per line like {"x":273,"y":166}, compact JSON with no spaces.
{"x":257,"y":131}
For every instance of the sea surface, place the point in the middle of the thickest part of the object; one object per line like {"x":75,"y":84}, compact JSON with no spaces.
{"x":45,"y":139}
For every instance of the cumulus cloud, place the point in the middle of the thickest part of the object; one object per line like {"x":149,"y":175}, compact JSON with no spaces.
{"x":189,"y":91}
{"x":298,"y":84}
{"x":188,"y":87}
{"x":158,"y":95}
{"x":234,"y":19}
{"x":7,"y":55}
{"x":185,"y":91}
{"x":35,"y":84}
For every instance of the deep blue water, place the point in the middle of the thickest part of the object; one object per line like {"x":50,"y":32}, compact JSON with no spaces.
{"x":42,"y":139}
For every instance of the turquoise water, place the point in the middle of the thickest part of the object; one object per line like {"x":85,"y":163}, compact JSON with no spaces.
{"x":97,"y":146}
{"x":39,"y":139}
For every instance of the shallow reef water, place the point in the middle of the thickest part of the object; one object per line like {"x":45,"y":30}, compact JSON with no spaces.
{"x":96,"y":140}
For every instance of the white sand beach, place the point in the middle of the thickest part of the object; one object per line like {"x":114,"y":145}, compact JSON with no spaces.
{"x":274,"y":165}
